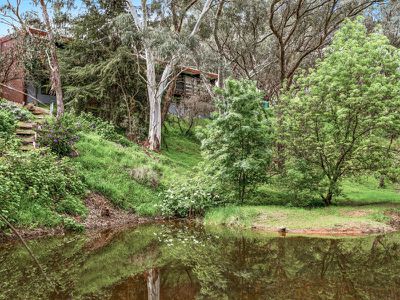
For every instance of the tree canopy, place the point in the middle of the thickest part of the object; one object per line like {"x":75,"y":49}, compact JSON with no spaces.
{"x":338,"y":116}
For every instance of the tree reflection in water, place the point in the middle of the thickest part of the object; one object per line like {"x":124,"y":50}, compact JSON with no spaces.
{"x":181,"y":262}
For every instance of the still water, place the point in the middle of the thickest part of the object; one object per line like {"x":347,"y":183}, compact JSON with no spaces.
{"x":180,"y":261}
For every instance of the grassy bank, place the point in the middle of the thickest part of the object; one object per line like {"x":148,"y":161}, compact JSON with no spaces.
{"x":131,"y":177}
{"x":44,"y":188}
{"x":364,"y":208}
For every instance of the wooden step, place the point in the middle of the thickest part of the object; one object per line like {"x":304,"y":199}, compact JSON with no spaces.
{"x":28,"y":140}
{"x":27,"y":147}
{"x":36,"y":110}
{"x":40,"y":111}
{"x":25,"y":132}
{"x":26,"y":125}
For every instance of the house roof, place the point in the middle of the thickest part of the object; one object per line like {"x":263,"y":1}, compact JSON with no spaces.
{"x":193,"y":71}
{"x":33,"y":31}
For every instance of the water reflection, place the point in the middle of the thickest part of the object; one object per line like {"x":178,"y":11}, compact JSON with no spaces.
{"x":177,"y":261}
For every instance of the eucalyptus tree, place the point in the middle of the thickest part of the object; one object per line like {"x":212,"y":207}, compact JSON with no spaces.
{"x":165,"y":28}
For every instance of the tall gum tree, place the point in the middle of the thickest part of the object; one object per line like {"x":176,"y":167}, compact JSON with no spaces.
{"x":157,"y":87}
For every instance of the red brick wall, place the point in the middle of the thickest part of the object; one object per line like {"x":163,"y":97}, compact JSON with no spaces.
{"x":17,"y":81}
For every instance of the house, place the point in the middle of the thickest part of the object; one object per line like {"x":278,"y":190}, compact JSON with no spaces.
{"x":189,"y":81}
{"x":14,"y":85}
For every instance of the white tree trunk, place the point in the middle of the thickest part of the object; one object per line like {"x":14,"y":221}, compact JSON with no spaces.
{"x":155,"y":91}
{"x":55,"y":75}
{"x":154,"y":137}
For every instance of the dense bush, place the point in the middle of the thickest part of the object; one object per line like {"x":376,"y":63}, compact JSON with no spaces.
{"x":90,"y":123}
{"x":60,"y":135}
{"x":301,"y":184}
{"x":18,"y":112}
{"x":7,"y":131}
{"x":190,"y":197}
{"x":7,"y":125}
{"x":236,"y":145}
{"x":35,"y":184}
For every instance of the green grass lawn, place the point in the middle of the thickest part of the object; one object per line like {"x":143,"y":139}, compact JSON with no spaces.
{"x":107,"y":168}
{"x":363,"y":206}
{"x":273,"y":217}
{"x":365,"y":191}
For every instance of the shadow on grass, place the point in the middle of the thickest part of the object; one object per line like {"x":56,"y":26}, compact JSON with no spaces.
{"x":389,"y":204}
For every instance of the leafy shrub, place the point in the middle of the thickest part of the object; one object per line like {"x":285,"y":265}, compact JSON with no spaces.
{"x":236,"y":145}
{"x":35,"y":183}
{"x":8,"y":139}
{"x":146,"y":176}
{"x":7,"y":124}
{"x":302,"y":184}
{"x":71,"y":225}
{"x":18,"y":112}
{"x":73,"y":206}
{"x":189,"y":198}
{"x":59,"y":135}
{"x":105,"y":129}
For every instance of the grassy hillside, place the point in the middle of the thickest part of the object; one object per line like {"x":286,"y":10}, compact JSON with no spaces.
{"x":132,"y":177}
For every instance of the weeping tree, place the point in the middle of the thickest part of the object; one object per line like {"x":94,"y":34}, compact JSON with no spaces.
{"x":161,"y":24}
{"x":340,"y":119}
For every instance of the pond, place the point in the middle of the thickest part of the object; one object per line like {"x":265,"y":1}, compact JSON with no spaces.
{"x":182,"y":261}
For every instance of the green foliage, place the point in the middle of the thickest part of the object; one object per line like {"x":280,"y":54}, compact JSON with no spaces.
{"x":7,"y":131}
{"x":338,"y":120}
{"x":71,"y":225}
{"x":7,"y":124}
{"x":301,"y":184}
{"x":34,"y":184}
{"x":190,"y":197}
{"x":60,"y":135}
{"x":18,"y":112}
{"x":102,"y":78}
{"x":236,"y":144}
{"x":8,"y":139}
{"x":89,"y":123}
{"x":72,"y":205}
